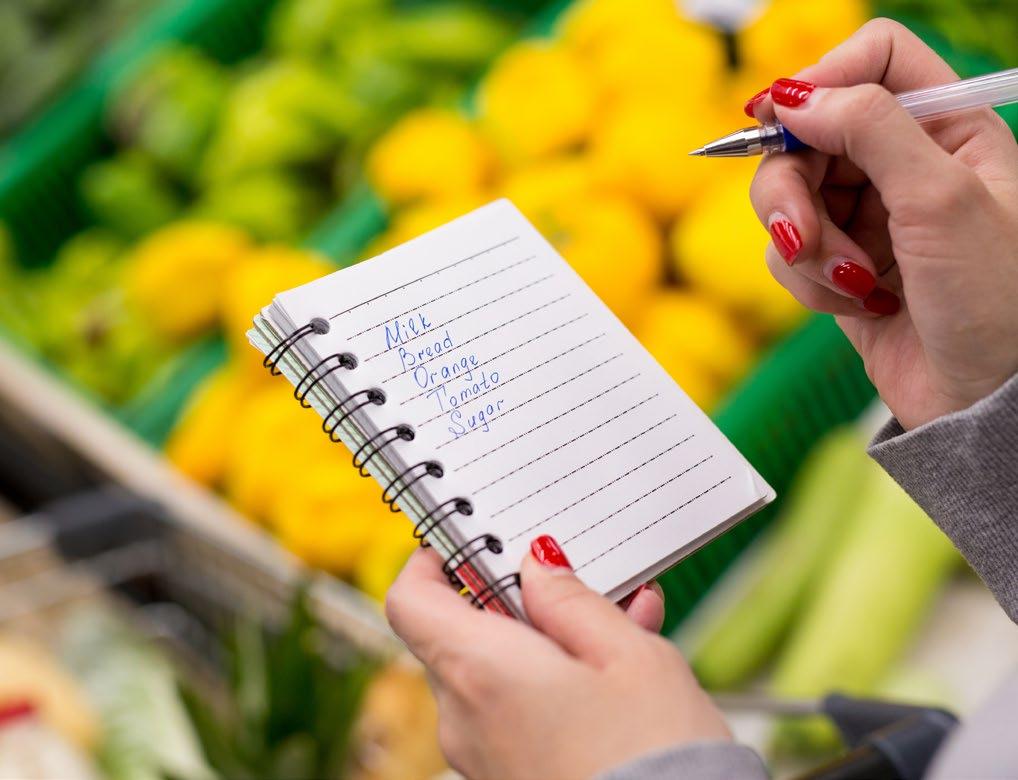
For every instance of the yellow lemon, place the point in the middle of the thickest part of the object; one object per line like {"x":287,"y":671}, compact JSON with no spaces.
{"x":791,"y":34}
{"x":537,"y":100}
{"x":697,"y":328}
{"x":329,"y":516}
{"x":538,"y":188}
{"x":175,"y":276}
{"x":199,"y":443}
{"x":642,"y":148}
{"x":384,"y":556}
{"x":613,"y":244}
{"x":588,"y":24}
{"x":718,"y":247}
{"x":255,"y":474}
{"x":251,"y":285}
{"x":693,"y":377}
{"x":680,"y":61}
{"x":429,"y":153}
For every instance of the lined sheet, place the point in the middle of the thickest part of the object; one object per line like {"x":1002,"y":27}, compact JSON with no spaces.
{"x":542,"y":408}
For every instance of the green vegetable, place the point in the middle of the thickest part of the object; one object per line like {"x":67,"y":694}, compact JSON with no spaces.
{"x":169,"y":108}
{"x":127,"y":194}
{"x":146,"y":732}
{"x":446,"y":35}
{"x":270,"y":205}
{"x":283,"y":113}
{"x":868,"y":606}
{"x":73,"y":315}
{"x":291,"y":711}
{"x":307,"y":27}
{"x":790,"y":559}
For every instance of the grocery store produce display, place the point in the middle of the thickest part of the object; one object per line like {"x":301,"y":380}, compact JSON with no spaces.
{"x":266,"y":145}
{"x":534,"y":142}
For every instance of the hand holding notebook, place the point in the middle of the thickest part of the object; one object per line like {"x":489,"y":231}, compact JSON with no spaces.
{"x":495,"y":398}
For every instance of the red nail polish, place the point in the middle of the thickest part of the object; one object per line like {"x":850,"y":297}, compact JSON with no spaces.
{"x":791,"y":92}
{"x":854,"y":279}
{"x":547,"y":552}
{"x":786,"y":239}
{"x":15,"y":710}
{"x":882,"y":302}
{"x":754,"y":101}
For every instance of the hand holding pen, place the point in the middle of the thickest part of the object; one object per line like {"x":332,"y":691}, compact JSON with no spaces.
{"x":924,"y":105}
{"x":907,"y":232}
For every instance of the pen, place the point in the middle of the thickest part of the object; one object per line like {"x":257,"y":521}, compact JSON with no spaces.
{"x":993,"y":89}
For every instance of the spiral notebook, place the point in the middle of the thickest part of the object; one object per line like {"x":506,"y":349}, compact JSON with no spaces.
{"x":495,"y":398}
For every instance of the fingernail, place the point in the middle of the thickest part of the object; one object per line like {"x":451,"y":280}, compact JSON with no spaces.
{"x":852,"y":278}
{"x":548,"y":553}
{"x":754,"y":101}
{"x":786,"y":237}
{"x":882,"y":302}
{"x":632,"y":596}
{"x":791,"y":92}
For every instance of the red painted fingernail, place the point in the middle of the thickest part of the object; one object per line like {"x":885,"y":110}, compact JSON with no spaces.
{"x":853,"y":278}
{"x":754,"y":101}
{"x":547,"y":552}
{"x":791,"y":92}
{"x":882,"y":302}
{"x":786,"y":239}
{"x":15,"y":710}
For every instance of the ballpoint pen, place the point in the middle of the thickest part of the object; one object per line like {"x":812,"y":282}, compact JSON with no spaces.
{"x":993,"y":89}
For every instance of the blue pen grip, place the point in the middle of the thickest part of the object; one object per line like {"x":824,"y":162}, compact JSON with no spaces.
{"x":792,"y":144}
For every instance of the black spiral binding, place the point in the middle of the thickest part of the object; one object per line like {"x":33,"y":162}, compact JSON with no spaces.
{"x":493,"y":590}
{"x":343,"y":360}
{"x":462,"y":555}
{"x":431,"y":469}
{"x":317,"y":325}
{"x":406,"y":479}
{"x":371,"y":396}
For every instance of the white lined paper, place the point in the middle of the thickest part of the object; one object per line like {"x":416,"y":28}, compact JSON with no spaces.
{"x":541,"y":407}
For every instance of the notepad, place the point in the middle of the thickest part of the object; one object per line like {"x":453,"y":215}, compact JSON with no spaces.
{"x":495,"y":398}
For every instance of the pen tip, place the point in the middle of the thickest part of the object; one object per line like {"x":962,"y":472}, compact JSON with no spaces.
{"x":697,"y":152}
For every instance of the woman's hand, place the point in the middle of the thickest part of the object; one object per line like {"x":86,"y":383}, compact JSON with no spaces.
{"x":581,"y":691}
{"x":887,"y":210}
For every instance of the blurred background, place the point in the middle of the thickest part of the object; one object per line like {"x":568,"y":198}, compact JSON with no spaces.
{"x":180,"y":597}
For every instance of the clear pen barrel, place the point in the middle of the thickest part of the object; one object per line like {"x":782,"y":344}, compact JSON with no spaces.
{"x":994,"y":89}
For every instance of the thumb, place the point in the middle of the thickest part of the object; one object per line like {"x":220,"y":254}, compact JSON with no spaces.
{"x":559,"y":605}
{"x":867,"y":124}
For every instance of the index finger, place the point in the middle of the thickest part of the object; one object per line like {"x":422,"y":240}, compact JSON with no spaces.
{"x":882,"y":51}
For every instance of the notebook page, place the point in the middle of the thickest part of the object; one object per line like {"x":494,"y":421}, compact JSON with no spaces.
{"x":544,"y":411}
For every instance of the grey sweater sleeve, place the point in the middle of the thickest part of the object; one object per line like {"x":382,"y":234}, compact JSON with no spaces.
{"x":699,"y":760}
{"x":962,"y":469}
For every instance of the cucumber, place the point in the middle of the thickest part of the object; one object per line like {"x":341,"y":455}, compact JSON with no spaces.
{"x":868,"y":606}
{"x":789,"y":559}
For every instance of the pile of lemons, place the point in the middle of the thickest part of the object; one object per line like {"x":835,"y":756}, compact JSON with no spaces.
{"x":242,"y":433}
{"x":588,"y":133}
